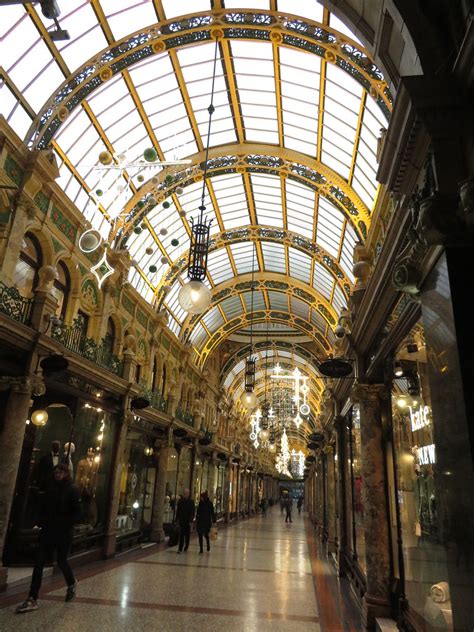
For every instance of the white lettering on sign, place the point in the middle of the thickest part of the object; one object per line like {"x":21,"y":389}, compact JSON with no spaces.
{"x":426,"y":455}
{"x":419,"y":418}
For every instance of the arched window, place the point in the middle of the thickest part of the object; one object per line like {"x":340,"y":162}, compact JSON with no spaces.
{"x":61,"y":287}
{"x":163,"y":381}
{"x":154,"y":376}
{"x":110,"y":335}
{"x":29,"y":263}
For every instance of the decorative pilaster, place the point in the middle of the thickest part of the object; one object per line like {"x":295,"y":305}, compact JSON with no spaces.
{"x":12,"y":432}
{"x":44,"y":304}
{"x":371,"y":398}
{"x":116,"y":469}
{"x":157,"y":533}
{"x":212,"y":479}
{"x":341,"y":496}
{"x":330,"y":499}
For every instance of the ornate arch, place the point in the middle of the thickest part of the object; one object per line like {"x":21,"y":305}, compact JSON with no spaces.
{"x":265,"y":281}
{"x":261,"y":316}
{"x":280,"y":28}
{"x":248,"y":158}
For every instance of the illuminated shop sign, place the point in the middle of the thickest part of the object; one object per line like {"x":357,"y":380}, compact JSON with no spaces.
{"x":419,"y":417}
{"x":426,"y":455}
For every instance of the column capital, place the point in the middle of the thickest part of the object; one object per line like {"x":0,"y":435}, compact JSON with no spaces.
{"x":28,"y":384}
{"x":369,"y":393}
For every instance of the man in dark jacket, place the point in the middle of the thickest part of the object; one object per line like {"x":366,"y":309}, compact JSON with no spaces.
{"x":46,"y":466}
{"x":205,"y":518}
{"x":60,"y":510}
{"x":184,"y":517}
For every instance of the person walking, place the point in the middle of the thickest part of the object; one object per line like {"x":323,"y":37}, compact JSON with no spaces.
{"x":288,"y":502}
{"x":263,"y":507}
{"x":282,"y":503}
{"x":299,"y":504}
{"x":184,"y":516}
{"x":60,"y":510}
{"x":205,"y":518}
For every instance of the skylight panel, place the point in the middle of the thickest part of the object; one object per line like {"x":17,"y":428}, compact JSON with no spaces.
{"x":183,"y":7}
{"x":198,"y":336}
{"x":310,"y":10}
{"x":47,"y":82}
{"x":339,"y":301}
{"x":329,"y":226}
{"x":274,"y":257}
{"x":300,"y":308}
{"x":232,"y":307}
{"x":323,"y":280}
{"x":213,"y":319}
{"x":125,"y":17}
{"x":347,"y":252}
{"x":19,"y":120}
{"x":300,"y":265}
{"x":247,"y":4}
{"x":258,"y":301}
{"x":299,"y":208}
{"x":318,"y":320}
{"x":267,"y":198}
{"x":219,"y":266}
{"x":364,"y":188}
{"x":173,"y":303}
{"x":278,"y":301}
{"x":338,"y":25}
{"x":245,"y":256}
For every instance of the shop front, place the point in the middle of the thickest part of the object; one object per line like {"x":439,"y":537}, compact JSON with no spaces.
{"x":436,"y":536}
{"x":138,"y":469}
{"x":75,"y":427}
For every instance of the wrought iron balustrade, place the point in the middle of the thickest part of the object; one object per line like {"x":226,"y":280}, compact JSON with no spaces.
{"x":155,"y":398}
{"x":14,"y":305}
{"x":185,"y":416}
{"x":73,"y":338}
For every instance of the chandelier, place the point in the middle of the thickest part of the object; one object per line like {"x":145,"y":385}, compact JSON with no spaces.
{"x":297,"y":463}
{"x":284,"y":456}
{"x":249,"y":399}
{"x":300,"y":392}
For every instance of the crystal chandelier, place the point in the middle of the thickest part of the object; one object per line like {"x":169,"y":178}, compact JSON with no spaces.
{"x":284,"y":456}
{"x":300,"y":392}
{"x":297,"y":463}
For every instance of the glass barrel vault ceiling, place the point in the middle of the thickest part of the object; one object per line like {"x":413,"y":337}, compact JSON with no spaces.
{"x":266,"y":95}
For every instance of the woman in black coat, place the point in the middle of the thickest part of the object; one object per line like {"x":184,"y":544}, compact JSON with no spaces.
{"x":205,"y":518}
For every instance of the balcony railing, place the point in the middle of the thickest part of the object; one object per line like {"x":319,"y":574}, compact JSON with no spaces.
{"x":155,"y":398}
{"x":74,"y":339}
{"x":14,"y":305}
{"x":185,"y":416}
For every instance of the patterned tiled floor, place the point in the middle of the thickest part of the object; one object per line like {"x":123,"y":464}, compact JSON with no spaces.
{"x":257,"y":577}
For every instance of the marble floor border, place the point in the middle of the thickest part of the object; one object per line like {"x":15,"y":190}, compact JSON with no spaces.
{"x":266,"y":615}
{"x":337,"y":611}
{"x":224,"y":568}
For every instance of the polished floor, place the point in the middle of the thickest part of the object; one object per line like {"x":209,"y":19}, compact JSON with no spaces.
{"x":260,"y":575}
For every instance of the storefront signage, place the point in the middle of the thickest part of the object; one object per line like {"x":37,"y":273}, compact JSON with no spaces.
{"x":419,"y":417}
{"x":426,"y":455}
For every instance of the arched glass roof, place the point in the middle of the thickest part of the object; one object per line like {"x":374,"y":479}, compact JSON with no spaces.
{"x":300,"y":103}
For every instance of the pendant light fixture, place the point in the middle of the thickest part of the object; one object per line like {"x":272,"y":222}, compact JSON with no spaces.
{"x":267,"y":412}
{"x":249,"y":399}
{"x":195,"y":297}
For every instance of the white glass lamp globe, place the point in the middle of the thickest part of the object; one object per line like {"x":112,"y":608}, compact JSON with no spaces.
{"x":39,"y":417}
{"x":272,"y":447}
{"x":264,"y":434}
{"x":248,"y":400}
{"x":194,"y":297}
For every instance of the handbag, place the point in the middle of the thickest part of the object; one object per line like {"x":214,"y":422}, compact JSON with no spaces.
{"x":213,"y":533}
{"x":418,"y":528}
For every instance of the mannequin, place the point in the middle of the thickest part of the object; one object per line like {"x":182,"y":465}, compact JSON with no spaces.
{"x":86,"y":480}
{"x":69,"y":449}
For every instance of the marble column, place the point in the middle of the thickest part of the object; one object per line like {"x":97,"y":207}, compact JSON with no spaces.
{"x":116,"y":470}
{"x":157,"y":533}
{"x":339,"y":425}
{"x":12,"y":432}
{"x":212,"y":478}
{"x":372,"y":398}
{"x":331,"y":500}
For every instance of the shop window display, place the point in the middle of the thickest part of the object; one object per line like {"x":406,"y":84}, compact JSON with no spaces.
{"x":354,"y":497}
{"x":425,"y":525}
{"x":137,"y":484}
{"x":85,"y":442}
{"x":184,"y":470}
{"x":171,"y":486}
